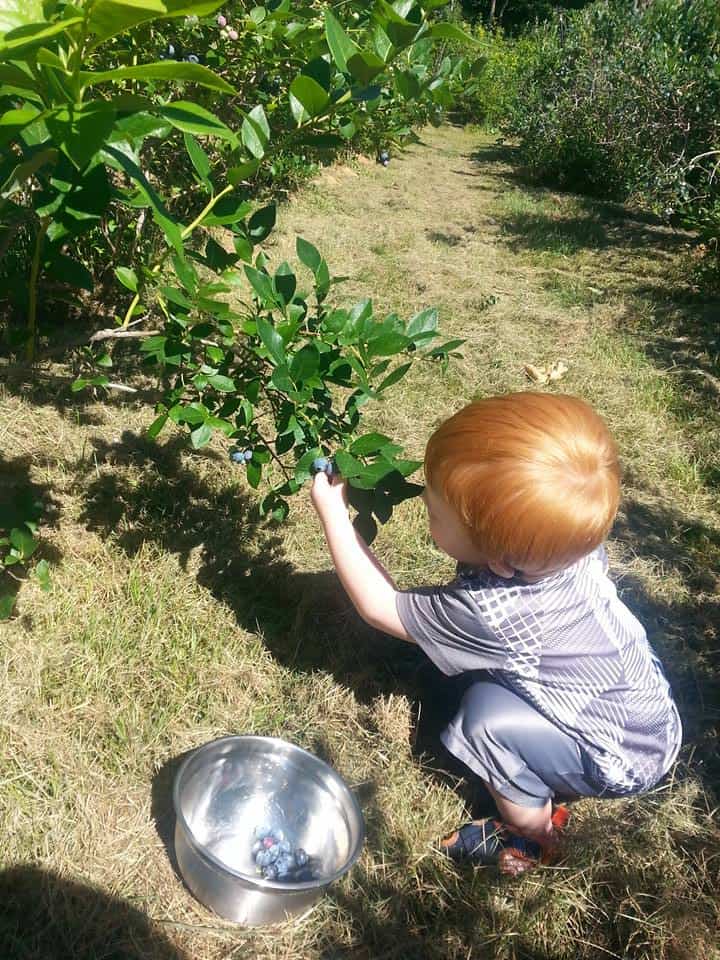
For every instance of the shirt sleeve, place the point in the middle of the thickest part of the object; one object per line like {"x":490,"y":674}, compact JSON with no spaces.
{"x":447,"y":624}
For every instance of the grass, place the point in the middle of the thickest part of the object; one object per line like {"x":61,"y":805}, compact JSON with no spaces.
{"x":174,"y":617}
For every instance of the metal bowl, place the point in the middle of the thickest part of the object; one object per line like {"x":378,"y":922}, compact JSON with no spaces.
{"x":225,"y":790}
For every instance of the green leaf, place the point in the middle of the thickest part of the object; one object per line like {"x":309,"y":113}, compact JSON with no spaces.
{"x":406,"y":467}
{"x":262,"y":285}
{"x":156,"y":426}
{"x":21,"y":173}
{"x":365,"y":526}
{"x":408,"y":84}
{"x":243,"y":248}
{"x":16,"y":44}
{"x":138,"y":126}
{"x":256,"y":132}
{"x":19,"y":13}
{"x":13,"y":121}
{"x":397,"y":374}
{"x":164,"y":70}
{"x":254,"y":474}
{"x":340,"y":45}
{"x":191,"y":118}
{"x":198,"y":158}
{"x":7,"y":605}
{"x":227,"y":211}
{"x":423,"y":322}
{"x":308,"y":254}
{"x":386,"y":343}
{"x":242,"y":172}
{"x":42,"y":574}
{"x":445,"y":348}
{"x":262,"y":222}
{"x":127,"y":277}
{"x":305,"y":363}
{"x":307,"y":99}
{"x":371,"y":474}
{"x":281,"y":379}
{"x":450,"y":31}
{"x":347,"y":465}
{"x":285,"y":282}
{"x":222,"y":383}
{"x":24,"y":542}
{"x":271,"y":338}
{"x":369,"y":443}
{"x":111,"y":17}
{"x":302,"y":467}
{"x":80,"y":132}
{"x":217,"y":257}
{"x":120,"y":159}
{"x":68,"y":270}
{"x":365,"y":66}
{"x":200,"y":436}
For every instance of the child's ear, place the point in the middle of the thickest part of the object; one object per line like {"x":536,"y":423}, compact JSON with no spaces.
{"x":501,"y":569}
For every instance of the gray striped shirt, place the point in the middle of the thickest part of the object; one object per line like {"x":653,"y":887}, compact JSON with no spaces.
{"x":569,"y":646}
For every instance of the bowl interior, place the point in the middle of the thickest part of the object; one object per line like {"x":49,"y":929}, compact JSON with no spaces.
{"x":231,"y":788}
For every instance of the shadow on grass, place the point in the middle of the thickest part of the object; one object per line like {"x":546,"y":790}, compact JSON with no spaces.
{"x":683,"y":340}
{"x":45,"y":916}
{"x":240,"y":559}
{"x":685,"y":633}
{"x":598,"y":225}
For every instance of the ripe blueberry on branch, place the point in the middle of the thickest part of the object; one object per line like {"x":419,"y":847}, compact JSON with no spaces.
{"x":323,"y":465}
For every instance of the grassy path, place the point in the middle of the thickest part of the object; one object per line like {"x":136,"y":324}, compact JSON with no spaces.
{"x":174,"y":617}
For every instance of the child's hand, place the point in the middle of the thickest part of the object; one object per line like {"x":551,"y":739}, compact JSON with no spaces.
{"x":329,"y":497}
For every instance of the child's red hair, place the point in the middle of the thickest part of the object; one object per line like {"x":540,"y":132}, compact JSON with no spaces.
{"x":533,"y":476}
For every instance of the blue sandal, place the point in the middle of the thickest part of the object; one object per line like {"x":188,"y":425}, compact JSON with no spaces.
{"x":486,"y":842}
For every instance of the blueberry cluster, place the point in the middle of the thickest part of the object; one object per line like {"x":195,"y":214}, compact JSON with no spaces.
{"x":384,"y":158}
{"x":322,"y":465}
{"x":172,"y":54}
{"x":277,"y":859}
{"x":241,"y":456}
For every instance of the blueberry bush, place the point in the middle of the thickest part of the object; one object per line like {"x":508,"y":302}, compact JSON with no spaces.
{"x":104,"y":104}
{"x":144,"y":147}
{"x":619,"y":100}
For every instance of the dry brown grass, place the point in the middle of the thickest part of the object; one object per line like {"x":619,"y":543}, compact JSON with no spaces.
{"x":175,"y":617}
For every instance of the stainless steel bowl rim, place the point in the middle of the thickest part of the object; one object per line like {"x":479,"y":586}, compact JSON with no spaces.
{"x":254,"y":878}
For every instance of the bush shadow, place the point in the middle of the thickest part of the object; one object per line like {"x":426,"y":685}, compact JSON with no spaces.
{"x":686,"y":632}
{"x":154,"y":494}
{"x":46,"y":916}
{"x":599,"y":225}
{"x":684,"y":342}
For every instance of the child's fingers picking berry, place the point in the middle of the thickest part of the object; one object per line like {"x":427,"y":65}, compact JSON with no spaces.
{"x":329,"y":496}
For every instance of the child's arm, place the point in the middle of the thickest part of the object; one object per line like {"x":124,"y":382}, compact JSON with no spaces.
{"x":366,"y":581}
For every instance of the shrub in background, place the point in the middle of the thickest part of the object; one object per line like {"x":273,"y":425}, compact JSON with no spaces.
{"x":617,"y":101}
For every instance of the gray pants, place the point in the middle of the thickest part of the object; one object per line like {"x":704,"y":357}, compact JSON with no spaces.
{"x":516,"y":750}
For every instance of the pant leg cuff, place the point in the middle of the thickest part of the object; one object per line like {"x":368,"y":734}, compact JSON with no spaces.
{"x":457,"y":747}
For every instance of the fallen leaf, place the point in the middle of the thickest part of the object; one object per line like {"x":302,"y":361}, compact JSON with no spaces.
{"x":558,"y":370}
{"x":536,"y":374}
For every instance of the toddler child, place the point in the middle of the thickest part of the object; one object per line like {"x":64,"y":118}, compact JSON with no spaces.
{"x":567,"y":697}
